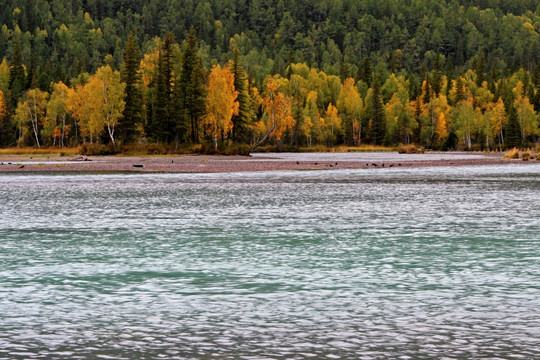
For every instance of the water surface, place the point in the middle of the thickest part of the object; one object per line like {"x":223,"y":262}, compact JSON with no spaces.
{"x":373,"y":264}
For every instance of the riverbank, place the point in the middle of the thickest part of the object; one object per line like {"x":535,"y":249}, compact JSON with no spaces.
{"x":257,"y":162}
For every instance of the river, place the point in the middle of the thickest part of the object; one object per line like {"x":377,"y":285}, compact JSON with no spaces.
{"x":410,"y":263}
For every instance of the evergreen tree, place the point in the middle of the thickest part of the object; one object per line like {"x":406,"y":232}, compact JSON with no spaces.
{"x":512,"y":130}
{"x":31,"y":78}
{"x":17,"y":76}
{"x":190,"y":91}
{"x":480,"y":70}
{"x":344,"y":70}
{"x":436,"y":82}
{"x":427,"y":91}
{"x":378,"y":127}
{"x":163,"y":125}
{"x":365,"y":72}
{"x":460,"y":95}
{"x":242,"y":120}
{"x":132,"y":78}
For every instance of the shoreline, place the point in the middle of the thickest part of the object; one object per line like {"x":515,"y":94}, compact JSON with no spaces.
{"x":225,"y":164}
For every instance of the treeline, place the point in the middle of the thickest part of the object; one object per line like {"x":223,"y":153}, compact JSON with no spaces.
{"x":454,"y":74}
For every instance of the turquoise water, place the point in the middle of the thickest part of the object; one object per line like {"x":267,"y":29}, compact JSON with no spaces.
{"x":373,"y":264}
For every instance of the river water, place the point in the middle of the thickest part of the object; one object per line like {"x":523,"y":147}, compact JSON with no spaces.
{"x":399,"y":263}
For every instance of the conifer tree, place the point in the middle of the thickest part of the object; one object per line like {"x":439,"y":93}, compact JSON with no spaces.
{"x":437,"y":76}
{"x":190,"y":91}
{"x":133,"y":99}
{"x":377,"y":114}
{"x":427,"y":91}
{"x":17,"y":76}
{"x":460,"y":95}
{"x":365,"y":72}
{"x":163,"y":126}
{"x":31,"y":77}
{"x":244,"y":116}
{"x":480,"y":70}
{"x":512,"y":130}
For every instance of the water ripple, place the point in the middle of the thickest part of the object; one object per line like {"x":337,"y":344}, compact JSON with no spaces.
{"x":405,"y":263}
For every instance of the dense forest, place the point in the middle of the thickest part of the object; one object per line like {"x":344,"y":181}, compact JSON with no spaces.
{"x":223,"y":73}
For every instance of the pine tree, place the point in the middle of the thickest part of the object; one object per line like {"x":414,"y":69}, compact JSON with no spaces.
{"x":427,"y":91}
{"x":377,"y":114}
{"x":460,"y":95}
{"x":132,"y":78}
{"x":244,"y":116}
{"x":365,"y":72}
{"x":343,"y":70}
{"x":512,"y":130}
{"x":190,"y":91}
{"x":163,"y":127}
{"x":480,"y":70}
{"x":31,"y":78}
{"x":17,"y":77}
{"x":436,"y":82}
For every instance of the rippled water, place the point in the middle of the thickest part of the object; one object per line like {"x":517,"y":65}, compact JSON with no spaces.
{"x":405,"y":263}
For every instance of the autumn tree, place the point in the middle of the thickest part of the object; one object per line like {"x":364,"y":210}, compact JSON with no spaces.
{"x":350,"y":106}
{"x":463,"y":117}
{"x":277,"y":112}
{"x":4,"y":122}
{"x":332,"y":122}
{"x":221,"y":104}
{"x":31,"y":112}
{"x":57,"y":113}
{"x":79,"y":106}
{"x":496,"y":117}
{"x":4,"y":77}
{"x":106,"y":99}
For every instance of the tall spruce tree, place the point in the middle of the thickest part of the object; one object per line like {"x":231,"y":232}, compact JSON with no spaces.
{"x":17,"y":76}
{"x":512,"y":136}
{"x":190,"y":90}
{"x":480,"y":69}
{"x":242,"y":120}
{"x":365,"y":71}
{"x":436,"y":81}
{"x":163,"y":124}
{"x":378,"y":126}
{"x":132,"y":77}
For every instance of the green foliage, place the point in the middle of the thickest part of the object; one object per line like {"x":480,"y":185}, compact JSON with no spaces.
{"x":244,"y":117}
{"x":423,"y":51}
{"x":132,"y":78}
{"x":377,"y":128}
{"x":512,"y":130}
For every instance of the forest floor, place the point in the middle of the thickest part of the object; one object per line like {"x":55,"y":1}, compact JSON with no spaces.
{"x":257,"y":162}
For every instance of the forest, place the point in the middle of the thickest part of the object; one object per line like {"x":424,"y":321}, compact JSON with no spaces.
{"x":232,"y":75}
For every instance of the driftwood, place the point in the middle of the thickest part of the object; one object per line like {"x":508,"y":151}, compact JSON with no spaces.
{"x":81,"y":158}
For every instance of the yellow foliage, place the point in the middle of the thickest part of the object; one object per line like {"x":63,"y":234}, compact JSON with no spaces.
{"x":221,"y":104}
{"x":277,"y":109}
{"x":149,"y":67}
{"x":4,"y":76}
{"x":3,"y":106}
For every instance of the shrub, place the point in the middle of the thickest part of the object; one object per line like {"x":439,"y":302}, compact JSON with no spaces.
{"x":156,"y":149}
{"x":525,"y":156}
{"x":97,"y":149}
{"x":512,"y":154}
{"x":409,"y":149}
